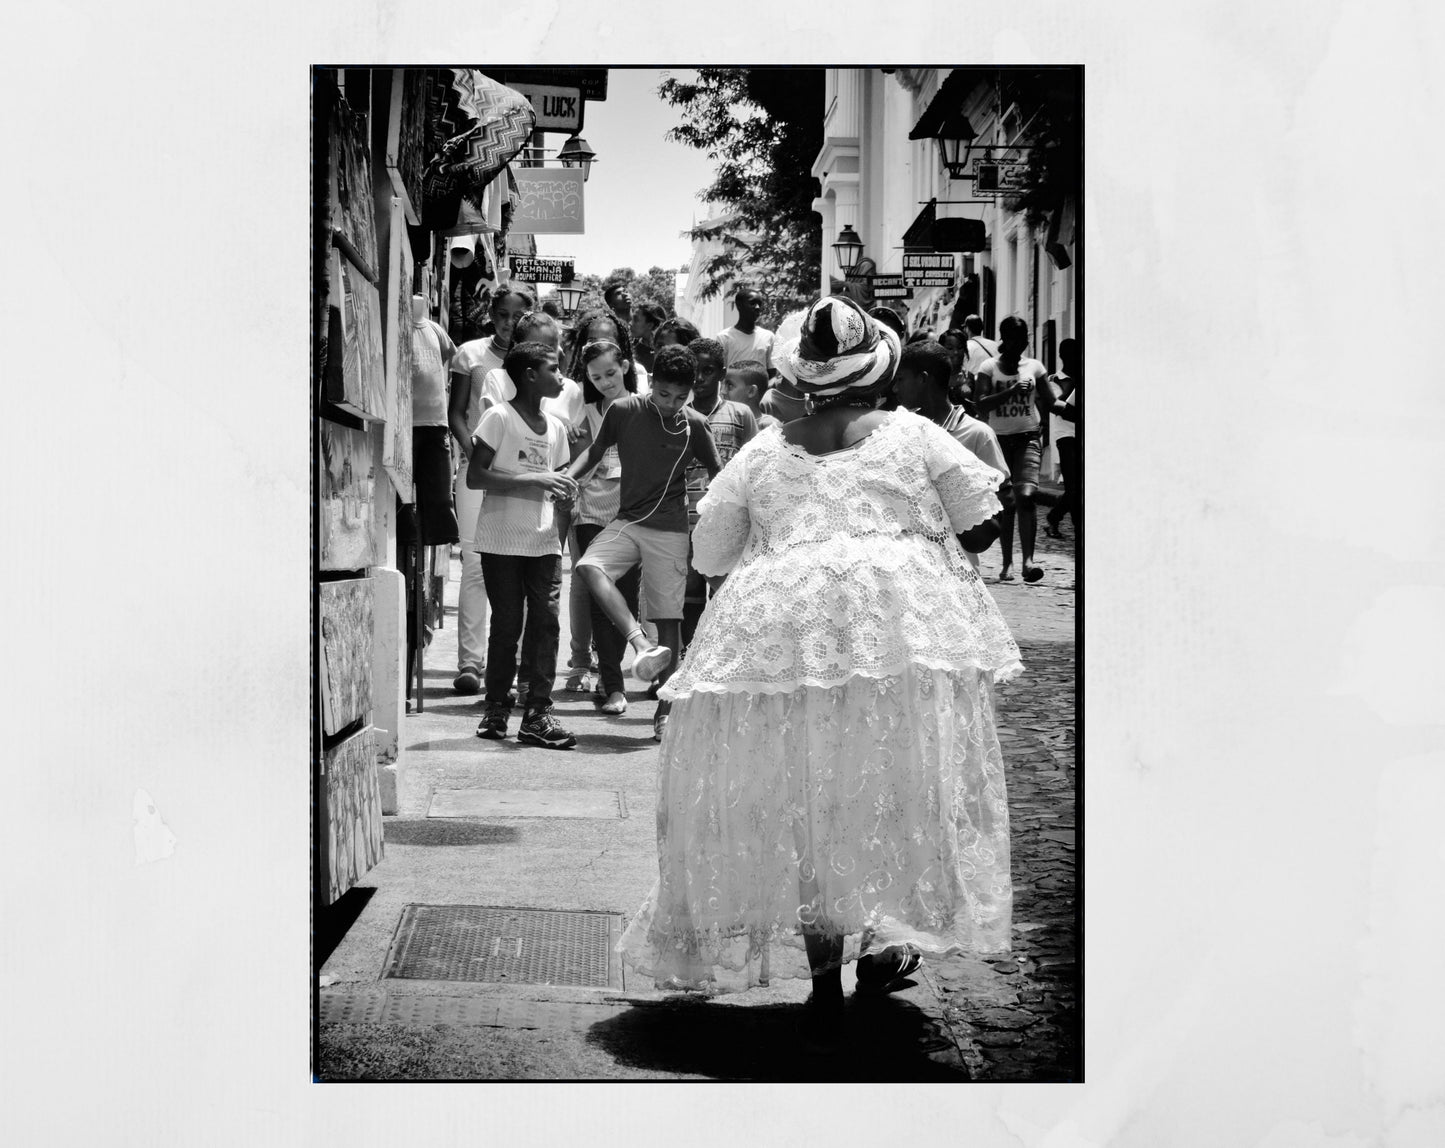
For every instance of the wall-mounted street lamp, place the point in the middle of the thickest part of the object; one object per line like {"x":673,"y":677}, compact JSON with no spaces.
{"x":955,"y":142}
{"x":848,"y":249}
{"x":569,"y":295}
{"x":576,"y":153}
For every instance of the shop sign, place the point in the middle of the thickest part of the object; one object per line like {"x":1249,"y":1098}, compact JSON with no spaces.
{"x":591,"y":81}
{"x":888,"y":287}
{"x":999,"y":177}
{"x":535,"y":270}
{"x":549,"y":201}
{"x":558,"y":109}
{"x":929,"y":279}
{"x":927,"y":261}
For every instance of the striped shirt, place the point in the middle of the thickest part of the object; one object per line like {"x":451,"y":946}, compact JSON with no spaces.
{"x":732,"y":425}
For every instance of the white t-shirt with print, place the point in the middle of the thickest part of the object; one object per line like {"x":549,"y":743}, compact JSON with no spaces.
{"x":1020,"y":413}
{"x":568,"y":406}
{"x":519,"y":522}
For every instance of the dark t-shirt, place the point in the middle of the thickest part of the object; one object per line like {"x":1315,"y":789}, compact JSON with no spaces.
{"x":654,"y":460}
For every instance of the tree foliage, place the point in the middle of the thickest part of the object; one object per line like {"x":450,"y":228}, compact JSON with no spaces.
{"x":658,"y":286}
{"x":762,"y":128}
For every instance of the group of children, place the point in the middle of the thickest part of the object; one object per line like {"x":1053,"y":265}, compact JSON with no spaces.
{"x":616,"y":461}
{"x":616,"y":469}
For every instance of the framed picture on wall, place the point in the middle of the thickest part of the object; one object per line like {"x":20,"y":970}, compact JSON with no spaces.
{"x":396,"y":450}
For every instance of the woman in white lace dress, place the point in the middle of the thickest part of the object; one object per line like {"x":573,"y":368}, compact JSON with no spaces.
{"x":831,"y":780}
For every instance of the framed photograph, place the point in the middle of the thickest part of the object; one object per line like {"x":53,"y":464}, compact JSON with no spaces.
{"x":396,"y":451}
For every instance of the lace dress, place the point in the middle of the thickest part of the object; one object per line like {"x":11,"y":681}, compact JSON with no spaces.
{"x":831,"y":764}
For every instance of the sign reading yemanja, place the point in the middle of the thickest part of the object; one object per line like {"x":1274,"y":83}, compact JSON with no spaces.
{"x":534,"y":270}
{"x":548,"y":201}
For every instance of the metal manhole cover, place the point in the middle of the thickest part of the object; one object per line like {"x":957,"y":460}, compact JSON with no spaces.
{"x":485,"y":943}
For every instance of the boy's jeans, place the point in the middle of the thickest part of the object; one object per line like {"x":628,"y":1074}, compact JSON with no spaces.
{"x":518,"y":587}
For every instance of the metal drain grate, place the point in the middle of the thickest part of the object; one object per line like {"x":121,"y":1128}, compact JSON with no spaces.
{"x":488,"y":943}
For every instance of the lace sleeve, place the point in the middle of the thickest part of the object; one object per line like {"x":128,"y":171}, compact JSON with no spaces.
{"x":718,"y":541}
{"x":723,"y":520}
{"x":966,"y":485}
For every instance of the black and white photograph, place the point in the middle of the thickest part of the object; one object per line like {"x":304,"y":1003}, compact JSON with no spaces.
{"x":731,"y":733}
{"x":566,"y":617}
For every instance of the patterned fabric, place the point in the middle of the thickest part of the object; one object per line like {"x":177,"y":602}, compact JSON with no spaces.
{"x":832,"y":764}
{"x":504,"y":122}
{"x":878,"y":806}
{"x":844,"y":564}
{"x":842,"y":348}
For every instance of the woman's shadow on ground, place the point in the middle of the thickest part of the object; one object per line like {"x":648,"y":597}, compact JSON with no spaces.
{"x":886,"y":1039}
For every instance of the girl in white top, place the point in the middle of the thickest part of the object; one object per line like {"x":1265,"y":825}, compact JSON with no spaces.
{"x":599,"y":498}
{"x":469,"y":369}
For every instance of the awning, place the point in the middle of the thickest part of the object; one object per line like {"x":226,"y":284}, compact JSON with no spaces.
{"x":929,"y":233}
{"x":944,"y":115}
{"x":920,"y":231}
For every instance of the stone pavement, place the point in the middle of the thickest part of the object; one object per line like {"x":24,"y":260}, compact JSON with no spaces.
{"x":1014,"y":1018}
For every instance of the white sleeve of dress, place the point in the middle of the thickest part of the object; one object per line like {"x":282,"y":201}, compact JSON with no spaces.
{"x":723,"y":521}
{"x":966,"y":485}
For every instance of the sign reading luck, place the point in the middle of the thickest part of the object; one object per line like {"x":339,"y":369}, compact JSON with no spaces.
{"x":549,"y":201}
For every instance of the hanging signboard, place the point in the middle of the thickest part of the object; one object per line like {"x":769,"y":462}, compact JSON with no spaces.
{"x":999,"y":177}
{"x":888,"y":287}
{"x":549,"y":201}
{"x":535,"y":270}
{"x":591,"y":81}
{"x":927,"y":261}
{"x":928,"y":279}
{"x":558,"y":109}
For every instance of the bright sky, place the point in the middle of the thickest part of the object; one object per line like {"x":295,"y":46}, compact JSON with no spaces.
{"x":642,"y":192}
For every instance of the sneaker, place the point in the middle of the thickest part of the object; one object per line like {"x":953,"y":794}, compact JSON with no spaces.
{"x":578,"y":682}
{"x":467,"y":681}
{"x":543,"y":729}
{"x":615,"y":704}
{"x":650,"y":663}
{"x":659,"y":726}
{"x":493,"y":726}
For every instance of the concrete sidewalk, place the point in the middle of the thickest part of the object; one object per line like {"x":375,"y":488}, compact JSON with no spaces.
{"x":1003,"y":1019}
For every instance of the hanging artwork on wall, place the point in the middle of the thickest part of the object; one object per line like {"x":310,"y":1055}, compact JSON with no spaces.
{"x":346,"y":498}
{"x":406,"y":138}
{"x":353,"y":214}
{"x":362,"y":376}
{"x":347,"y":630}
{"x":396,"y":449}
{"x":353,"y":812}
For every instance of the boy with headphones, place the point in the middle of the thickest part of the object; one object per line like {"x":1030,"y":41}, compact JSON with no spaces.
{"x":656,"y":436}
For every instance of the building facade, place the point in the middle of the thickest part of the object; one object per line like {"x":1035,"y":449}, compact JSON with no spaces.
{"x":882,"y":171}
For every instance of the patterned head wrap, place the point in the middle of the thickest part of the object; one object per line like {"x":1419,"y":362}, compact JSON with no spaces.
{"x":842,"y":350}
